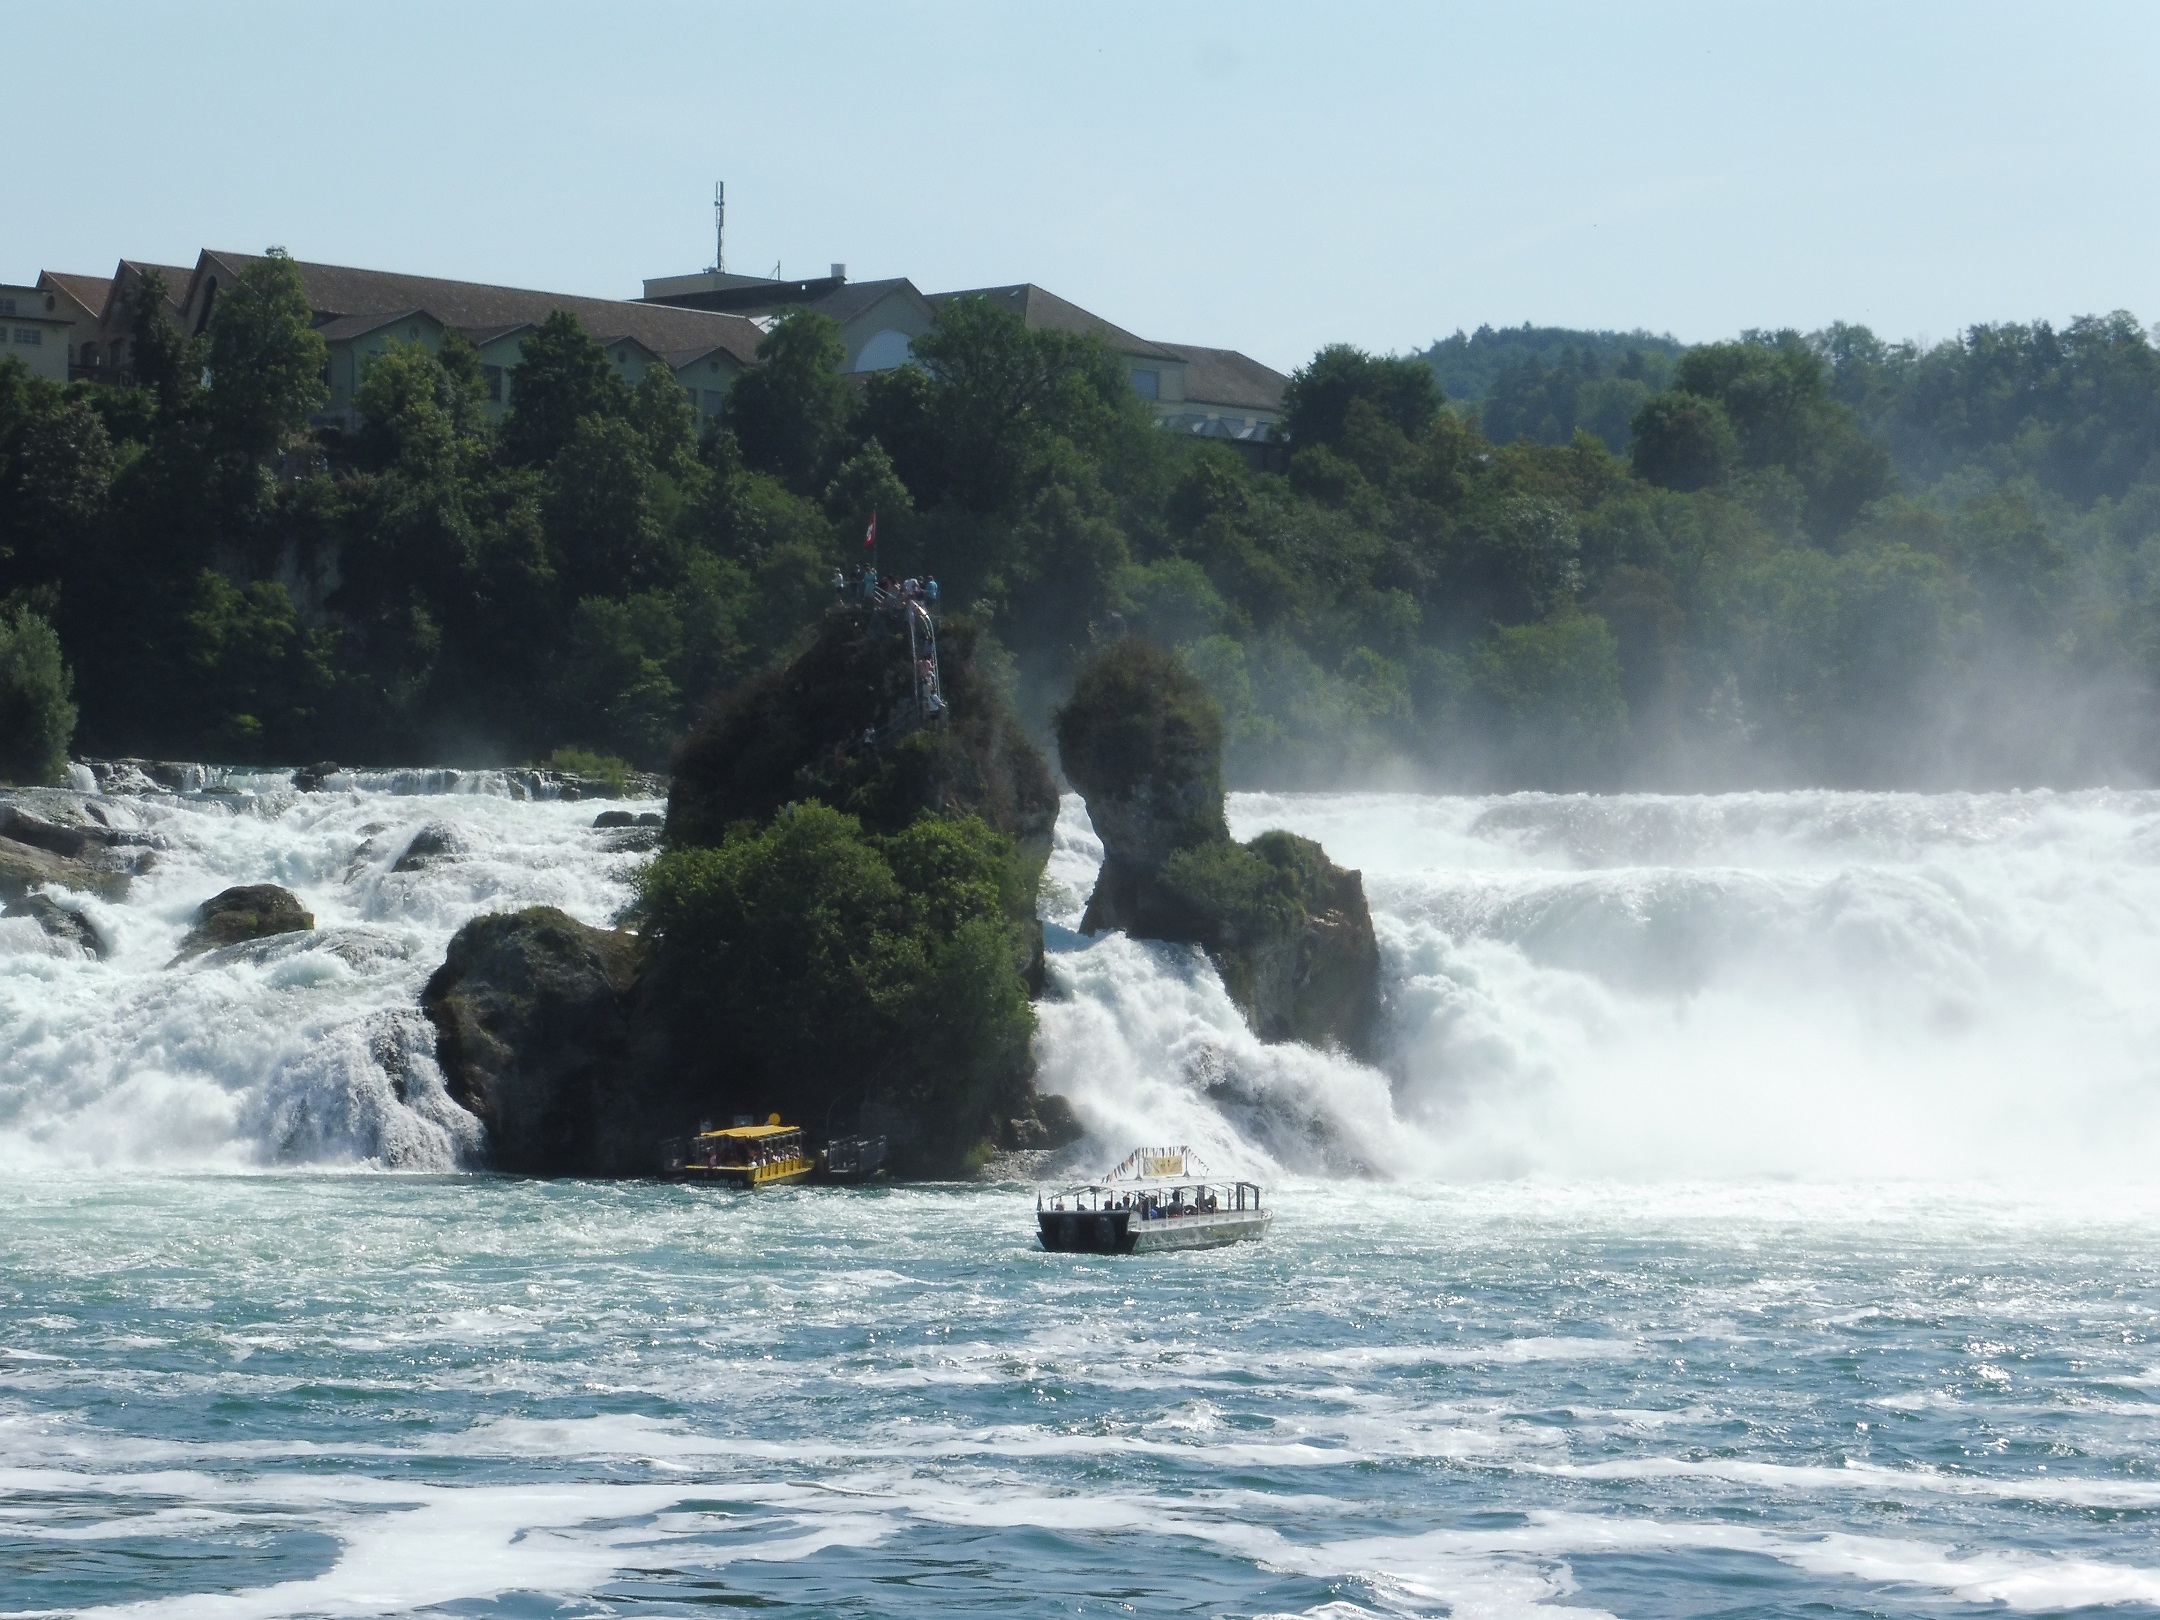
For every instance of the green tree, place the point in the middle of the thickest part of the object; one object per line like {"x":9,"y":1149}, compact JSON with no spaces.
{"x":603,"y":520}
{"x":56,"y":469}
{"x":1554,"y":688}
{"x":1317,"y":404}
{"x":812,"y":969}
{"x":562,"y":376}
{"x":37,"y":712}
{"x":267,"y":362}
{"x":408,"y":413}
{"x":791,"y":414}
{"x":1139,"y":724}
{"x":985,"y":429}
{"x":165,"y":360}
{"x":1683,"y":442}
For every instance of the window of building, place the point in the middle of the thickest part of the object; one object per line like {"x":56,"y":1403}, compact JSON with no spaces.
{"x":884,"y":352}
{"x":7,"y":306}
{"x":29,"y":334}
{"x":714,"y":399}
{"x":493,"y":374}
{"x":89,"y":354}
{"x":1148,"y":384}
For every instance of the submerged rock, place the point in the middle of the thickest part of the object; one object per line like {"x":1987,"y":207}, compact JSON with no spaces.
{"x":435,"y":841}
{"x":250,"y":911}
{"x":1288,"y":930}
{"x":59,"y":923}
{"x":532,"y":1012}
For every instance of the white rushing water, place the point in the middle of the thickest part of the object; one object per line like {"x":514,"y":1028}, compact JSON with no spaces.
{"x":1804,"y":985}
{"x":1808,"y":985}
{"x":302,"y":1049}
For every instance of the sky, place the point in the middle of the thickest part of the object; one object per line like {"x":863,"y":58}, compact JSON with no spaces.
{"x":1262,"y":177}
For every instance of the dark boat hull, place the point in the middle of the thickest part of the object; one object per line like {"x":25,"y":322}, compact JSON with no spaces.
{"x":1119,"y":1231}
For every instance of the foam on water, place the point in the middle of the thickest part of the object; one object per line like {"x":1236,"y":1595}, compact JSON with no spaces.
{"x":270,"y":1396}
{"x":1814,"y":985}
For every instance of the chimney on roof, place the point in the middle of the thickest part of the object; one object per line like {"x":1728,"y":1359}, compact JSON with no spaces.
{"x":839,"y":272}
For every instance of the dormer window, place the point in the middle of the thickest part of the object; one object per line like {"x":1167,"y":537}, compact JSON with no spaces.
{"x":1148,"y":384}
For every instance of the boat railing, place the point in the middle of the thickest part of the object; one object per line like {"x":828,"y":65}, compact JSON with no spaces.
{"x":1161,"y":1200}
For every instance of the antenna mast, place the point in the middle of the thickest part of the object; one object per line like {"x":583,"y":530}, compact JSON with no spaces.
{"x":719,"y":227}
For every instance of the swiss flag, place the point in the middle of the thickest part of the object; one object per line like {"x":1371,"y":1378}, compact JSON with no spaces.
{"x":869,"y":538}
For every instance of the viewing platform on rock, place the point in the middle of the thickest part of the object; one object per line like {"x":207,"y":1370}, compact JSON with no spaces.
{"x":909,"y":607}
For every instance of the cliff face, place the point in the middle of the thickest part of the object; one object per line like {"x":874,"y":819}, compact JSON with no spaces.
{"x":1286,"y":928}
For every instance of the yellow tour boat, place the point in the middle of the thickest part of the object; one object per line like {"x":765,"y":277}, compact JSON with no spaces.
{"x":748,"y":1156}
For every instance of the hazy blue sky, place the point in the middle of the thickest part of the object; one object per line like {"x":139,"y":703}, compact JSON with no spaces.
{"x":1263,"y":177}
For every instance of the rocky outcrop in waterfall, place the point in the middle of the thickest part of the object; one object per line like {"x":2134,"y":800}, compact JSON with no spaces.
{"x":52,"y":838}
{"x":250,"y":911}
{"x":841,"y":928}
{"x":1287,"y":929}
{"x":532,"y":1013}
{"x":837,"y":725}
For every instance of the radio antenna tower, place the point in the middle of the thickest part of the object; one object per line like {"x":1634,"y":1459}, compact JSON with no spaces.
{"x":719,"y":227}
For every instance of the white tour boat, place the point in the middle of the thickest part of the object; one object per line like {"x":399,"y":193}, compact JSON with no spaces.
{"x":1158,"y":1198}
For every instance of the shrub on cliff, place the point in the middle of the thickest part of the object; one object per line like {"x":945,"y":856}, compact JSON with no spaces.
{"x":37,"y":715}
{"x":813,"y":968}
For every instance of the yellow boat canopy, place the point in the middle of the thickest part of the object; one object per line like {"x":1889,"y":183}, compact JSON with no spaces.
{"x":750,"y":1133}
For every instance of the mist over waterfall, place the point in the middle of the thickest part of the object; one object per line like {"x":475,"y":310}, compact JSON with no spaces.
{"x":1808,"y":985}
{"x":1812,"y":985}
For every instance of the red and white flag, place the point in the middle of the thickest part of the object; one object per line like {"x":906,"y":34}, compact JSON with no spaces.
{"x":869,"y":539}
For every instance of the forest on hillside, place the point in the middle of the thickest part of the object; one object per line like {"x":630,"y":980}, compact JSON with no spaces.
{"x":1789,"y":558}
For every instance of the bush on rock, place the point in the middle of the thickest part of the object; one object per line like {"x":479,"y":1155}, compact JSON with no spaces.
{"x":825,"y":972}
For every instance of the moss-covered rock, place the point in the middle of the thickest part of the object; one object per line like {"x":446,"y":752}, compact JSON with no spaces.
{"x":837,"y":977}
{"x":248,"y":911}
{"x":834,"y":726}
{"x":1288,"y":930}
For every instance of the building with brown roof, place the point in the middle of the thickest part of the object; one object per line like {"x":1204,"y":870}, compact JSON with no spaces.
{"x":361,"y":313}
{"x":1208,"y":393}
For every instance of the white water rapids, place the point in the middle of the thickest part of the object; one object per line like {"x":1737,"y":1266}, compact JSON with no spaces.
{"x":1806,"y":985}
